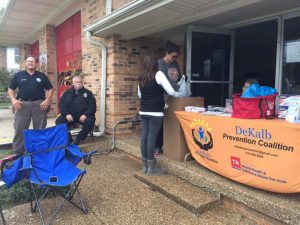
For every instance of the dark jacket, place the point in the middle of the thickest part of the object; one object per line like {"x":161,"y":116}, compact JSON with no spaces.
{"x":77,"y":104}
{"x":152,"y":99}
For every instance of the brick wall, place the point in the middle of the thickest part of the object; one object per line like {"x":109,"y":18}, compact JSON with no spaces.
{"x":3,"y":60}
{"x":123,"y":68}
{"x":47,"y":48}
{"x":116,"y":4}
{"x":92,"y":10}
{"x":24,"y":51}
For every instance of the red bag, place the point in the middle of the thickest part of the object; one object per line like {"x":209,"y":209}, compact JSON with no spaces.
{"x":253,"y":108}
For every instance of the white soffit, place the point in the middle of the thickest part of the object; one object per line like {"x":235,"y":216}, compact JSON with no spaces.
{"x":147,"y":17}
{"x":24,"y":18}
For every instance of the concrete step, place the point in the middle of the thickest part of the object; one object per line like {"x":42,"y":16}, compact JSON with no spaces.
{"x":187,"y":195}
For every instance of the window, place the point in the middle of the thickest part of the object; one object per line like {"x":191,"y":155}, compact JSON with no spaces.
{"x":291,"y":60}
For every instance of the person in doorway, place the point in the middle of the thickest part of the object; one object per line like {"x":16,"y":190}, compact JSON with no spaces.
{"x":151,"y":88}
{"x":248,"y":83}
{"x":169,"y":66}
{"x":78,"y":105}
{"x":31,"y":102}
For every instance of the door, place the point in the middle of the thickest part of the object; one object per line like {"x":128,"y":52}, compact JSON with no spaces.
{"x":209,"y":64}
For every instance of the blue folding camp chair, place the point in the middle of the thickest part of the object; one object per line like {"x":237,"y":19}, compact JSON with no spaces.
{"x":3,"y":163}
{"x":50,"y":162}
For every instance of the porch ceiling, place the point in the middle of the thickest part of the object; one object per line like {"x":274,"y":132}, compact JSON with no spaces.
{"x":23,"y":19}
{"x":144,"y":17}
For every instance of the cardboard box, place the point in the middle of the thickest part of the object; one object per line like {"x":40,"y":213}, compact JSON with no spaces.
{"x":175,"y":146}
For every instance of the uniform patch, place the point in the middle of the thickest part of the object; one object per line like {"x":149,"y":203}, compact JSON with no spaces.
{"x":38,"y":80}
{"x":85,"y":95}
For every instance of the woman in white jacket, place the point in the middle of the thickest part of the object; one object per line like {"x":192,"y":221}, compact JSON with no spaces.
{"x":151,"y":88}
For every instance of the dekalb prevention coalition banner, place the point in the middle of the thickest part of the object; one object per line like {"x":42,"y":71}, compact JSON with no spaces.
{"x":260,"y":153}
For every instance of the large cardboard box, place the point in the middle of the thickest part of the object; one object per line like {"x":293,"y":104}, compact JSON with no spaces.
{"x":175,"y":146}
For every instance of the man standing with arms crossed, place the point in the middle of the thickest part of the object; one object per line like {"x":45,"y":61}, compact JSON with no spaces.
{"x":31,"y":102}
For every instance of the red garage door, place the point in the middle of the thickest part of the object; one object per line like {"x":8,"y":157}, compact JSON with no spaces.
{"x":68,"y":50}
{"x":35,"y":49}
{"x":68,"y":44}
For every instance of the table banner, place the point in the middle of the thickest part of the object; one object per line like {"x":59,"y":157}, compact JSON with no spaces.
{"x":260,"y":153}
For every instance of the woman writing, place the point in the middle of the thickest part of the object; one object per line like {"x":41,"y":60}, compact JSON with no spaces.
{"x":151,"y":87}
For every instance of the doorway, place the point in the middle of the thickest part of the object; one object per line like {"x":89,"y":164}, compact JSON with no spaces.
{"x":209,"y":66}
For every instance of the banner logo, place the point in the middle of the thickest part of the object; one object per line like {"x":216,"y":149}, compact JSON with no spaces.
{"x":235,"y":162}
{"x":201,"y":134}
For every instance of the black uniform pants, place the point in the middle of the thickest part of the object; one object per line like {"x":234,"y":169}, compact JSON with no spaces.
{"x":87,"y":125}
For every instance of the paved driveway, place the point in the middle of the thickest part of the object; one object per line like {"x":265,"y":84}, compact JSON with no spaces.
{"x":7,"y":125}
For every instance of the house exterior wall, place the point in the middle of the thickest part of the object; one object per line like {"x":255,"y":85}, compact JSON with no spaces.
{"x":47,"y":48}
{"x":3,"y":61}
{"x":92,"y":10}
{"x":123,"y":68}
{"x":116,"y":4}
{"x":124,"y":60}
{"x":25,"y":49}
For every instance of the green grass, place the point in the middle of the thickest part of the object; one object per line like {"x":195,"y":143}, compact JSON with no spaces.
{"x":4,"y":104}
{"x":4,"y":153}
{"x":20,"y":194}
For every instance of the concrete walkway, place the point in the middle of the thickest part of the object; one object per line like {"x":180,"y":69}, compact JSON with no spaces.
{"x":7,"y":125}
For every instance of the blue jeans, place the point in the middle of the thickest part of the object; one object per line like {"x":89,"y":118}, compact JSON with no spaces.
{"x":150,"y":129}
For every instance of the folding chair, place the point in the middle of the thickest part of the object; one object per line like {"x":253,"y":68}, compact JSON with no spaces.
{"x":3,"y":162}
{"x":50,"y":162}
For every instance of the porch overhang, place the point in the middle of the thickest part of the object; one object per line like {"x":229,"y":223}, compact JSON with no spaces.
{"x":23,"y":19}
{"x":147,"y":17}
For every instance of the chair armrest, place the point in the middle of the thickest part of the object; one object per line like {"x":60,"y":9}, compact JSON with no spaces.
{"x":7,"y":159}
{"x":73,"y":154}
{"x":26,"y":163}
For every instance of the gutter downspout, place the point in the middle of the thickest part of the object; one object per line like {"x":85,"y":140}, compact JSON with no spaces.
{"x":103,"y":81}
{"x":108,"y":6}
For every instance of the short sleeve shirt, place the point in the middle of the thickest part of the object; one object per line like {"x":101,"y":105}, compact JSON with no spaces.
{"x":171,"y":71}
{"x":30,"y":87}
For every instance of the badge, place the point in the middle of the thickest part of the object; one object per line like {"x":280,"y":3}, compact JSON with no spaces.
{"x":85,"y":95}
{"x":38,"y":80}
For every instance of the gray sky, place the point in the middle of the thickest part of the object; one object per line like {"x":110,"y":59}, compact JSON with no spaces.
{"x":3,"y":3}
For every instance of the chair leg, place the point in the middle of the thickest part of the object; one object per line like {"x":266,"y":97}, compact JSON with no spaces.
{"x":37,"y":204}
{"x":68,"y":197}
{"x":2,"y":216}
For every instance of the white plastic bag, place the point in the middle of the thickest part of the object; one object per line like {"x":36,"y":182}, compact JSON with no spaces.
{"x":184,"y":87}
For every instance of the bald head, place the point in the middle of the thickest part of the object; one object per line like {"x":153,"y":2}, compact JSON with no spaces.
{"x":77,"y":82}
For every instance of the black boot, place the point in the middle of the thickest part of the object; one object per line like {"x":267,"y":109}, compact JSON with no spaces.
{"x":145,"y":166}
{"x":153,"y":169}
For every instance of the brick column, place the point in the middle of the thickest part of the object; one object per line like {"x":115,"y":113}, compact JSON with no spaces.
{"x":24,"y":51}
{"x":47,"y":47}
{"x":3,"y":61}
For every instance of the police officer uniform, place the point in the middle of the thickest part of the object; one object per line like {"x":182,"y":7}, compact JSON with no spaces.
{"x":31,"y":92}
{"x":77,"y":103}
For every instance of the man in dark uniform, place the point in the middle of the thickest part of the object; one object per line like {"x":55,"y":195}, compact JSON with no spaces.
{"x":31,"y":102}
{"x":78,"y":105}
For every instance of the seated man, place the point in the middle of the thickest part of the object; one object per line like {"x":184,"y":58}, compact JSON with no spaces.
{"x":78,"y":105}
